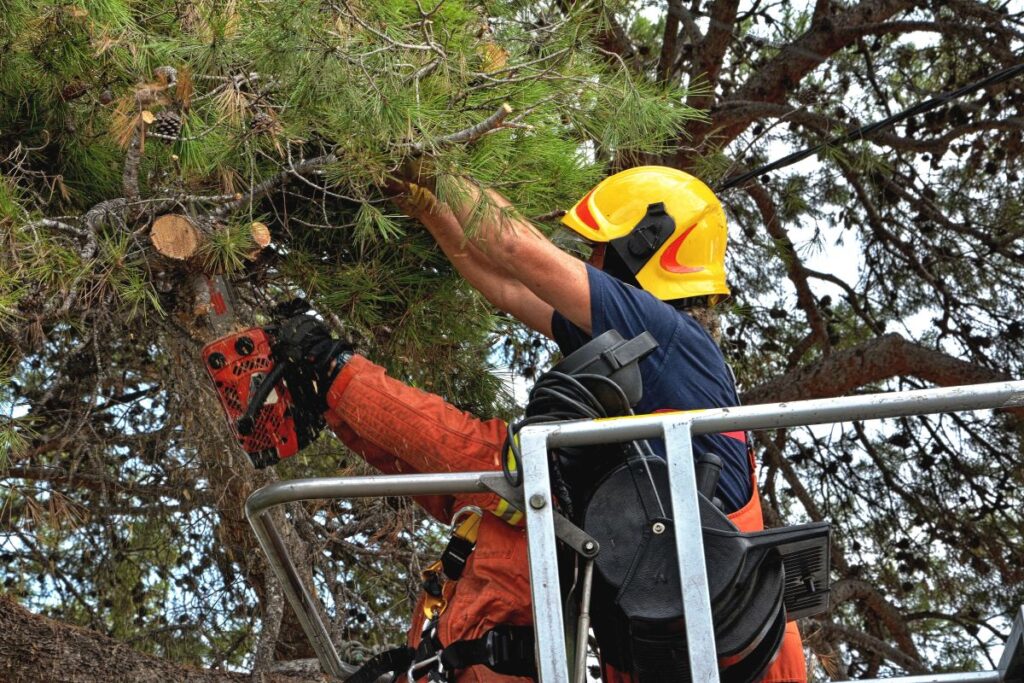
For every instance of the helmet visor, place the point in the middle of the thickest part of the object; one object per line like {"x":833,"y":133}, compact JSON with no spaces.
{"x":571,"y":241}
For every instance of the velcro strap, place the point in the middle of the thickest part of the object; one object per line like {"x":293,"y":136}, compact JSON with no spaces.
{"x":505,"y":649}
{"x":395,"y":660}
{"x":630,"y":351}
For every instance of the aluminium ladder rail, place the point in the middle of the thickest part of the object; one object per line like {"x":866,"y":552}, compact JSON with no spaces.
{"x":677,"y":429}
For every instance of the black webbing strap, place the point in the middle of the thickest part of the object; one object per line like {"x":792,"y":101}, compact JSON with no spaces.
{"x":396,"y":660}
{"x":455,"y":556}
{"x":505,"y":649}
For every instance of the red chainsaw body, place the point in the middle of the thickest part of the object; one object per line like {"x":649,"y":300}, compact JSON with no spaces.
{"x":238,"y":363}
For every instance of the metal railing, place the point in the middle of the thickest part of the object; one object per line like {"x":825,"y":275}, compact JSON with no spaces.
{"x":677,"y":430}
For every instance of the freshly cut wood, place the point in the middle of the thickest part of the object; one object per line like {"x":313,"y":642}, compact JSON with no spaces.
{"x":260,"y":234}
{"x":175,"y":236}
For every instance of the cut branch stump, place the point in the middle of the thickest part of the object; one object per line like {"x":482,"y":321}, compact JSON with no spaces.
{"x":175,"y":237}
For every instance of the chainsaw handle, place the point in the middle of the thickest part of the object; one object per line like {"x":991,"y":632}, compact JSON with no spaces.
{"x":247,"y":422}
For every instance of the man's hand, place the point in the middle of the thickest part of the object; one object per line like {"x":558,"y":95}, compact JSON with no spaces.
{"x":418,"y":201}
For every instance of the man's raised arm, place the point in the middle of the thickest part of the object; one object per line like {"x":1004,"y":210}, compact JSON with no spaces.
{"x":504,"y":291}
{"x":523,"y":253}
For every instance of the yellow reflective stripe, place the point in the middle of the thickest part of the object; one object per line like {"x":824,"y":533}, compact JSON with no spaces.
{"x":659,"y":413}
{"x":510,"y":459}
{"x":507,"y":513}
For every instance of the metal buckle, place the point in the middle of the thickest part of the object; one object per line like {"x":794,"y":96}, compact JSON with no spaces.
{"x":411,"y":673}
{"x":492,"y":657}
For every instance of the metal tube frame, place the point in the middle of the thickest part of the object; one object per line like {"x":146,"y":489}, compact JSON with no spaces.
{"x":677,"y":429}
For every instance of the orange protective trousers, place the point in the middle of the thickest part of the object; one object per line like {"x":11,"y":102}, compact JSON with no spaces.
{"x":401,"y":430}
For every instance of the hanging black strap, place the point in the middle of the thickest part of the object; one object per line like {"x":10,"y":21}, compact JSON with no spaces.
{"x":505,"y":649}
{"x":396,"y":660}
{"x":455,"y":556}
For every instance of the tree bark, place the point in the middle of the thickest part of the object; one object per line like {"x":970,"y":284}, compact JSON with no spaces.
{"x":868,"y":362}
{"x":36,"y":649}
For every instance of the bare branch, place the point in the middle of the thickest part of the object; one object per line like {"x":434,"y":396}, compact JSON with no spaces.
{"x":794,"y":268}
{"x":132,"y":160}
{"x":474,"y":132}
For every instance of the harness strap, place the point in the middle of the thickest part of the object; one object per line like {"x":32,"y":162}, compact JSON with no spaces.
{"x":630,"y":352}
{"x":505,"y":649}
{"x":397,"y":659}
{"x":452,"y":563}
{"x":455,"y":556}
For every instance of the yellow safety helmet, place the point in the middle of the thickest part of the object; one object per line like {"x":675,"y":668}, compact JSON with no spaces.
{"x":663,"y":227}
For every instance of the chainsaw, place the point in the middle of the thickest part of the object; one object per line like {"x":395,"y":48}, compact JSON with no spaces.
{"x":267,"y":392}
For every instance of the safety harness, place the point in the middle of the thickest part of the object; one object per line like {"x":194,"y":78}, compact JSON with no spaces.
{"x":616,"y":497}
{"x":505,"y":649}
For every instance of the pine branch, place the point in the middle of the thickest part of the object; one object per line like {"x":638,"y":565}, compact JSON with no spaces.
{"x":861,"y":639}
{"x":132,"y":161}
{"x":474,"y":132}
{"x":270,"y":184}
{"x":88,"y":237}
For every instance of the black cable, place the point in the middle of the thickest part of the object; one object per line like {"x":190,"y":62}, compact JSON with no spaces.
{"x":865,"y":131}
{"x":555,"y":397}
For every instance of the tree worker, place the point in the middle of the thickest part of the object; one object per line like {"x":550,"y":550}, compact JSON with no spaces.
{"x":659,"y":238}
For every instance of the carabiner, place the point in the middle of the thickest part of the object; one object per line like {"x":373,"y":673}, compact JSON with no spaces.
{"x":411,"y":673}
{"x":462,"y":512}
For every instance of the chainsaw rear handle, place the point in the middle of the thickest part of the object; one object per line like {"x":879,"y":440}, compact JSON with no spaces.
{"x":247,"y":422}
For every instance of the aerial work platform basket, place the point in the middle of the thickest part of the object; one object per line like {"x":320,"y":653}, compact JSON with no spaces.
{"x":555,"y":663}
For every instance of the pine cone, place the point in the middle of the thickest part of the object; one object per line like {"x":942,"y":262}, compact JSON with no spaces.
{"x":262,"y":122}
{"x":167,"y":125}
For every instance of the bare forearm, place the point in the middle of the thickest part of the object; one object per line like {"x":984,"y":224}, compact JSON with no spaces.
{"x":491,"y":223}
{"x":496,"y":285}
{"x":474,"y":265}
{"x":523,"y":252}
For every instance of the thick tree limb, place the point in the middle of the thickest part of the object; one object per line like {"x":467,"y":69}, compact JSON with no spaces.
{"x":738,"y":111}
{"x":868,"y":362}
{"x":667,"y":58}
{"x":273,"y":611}
{"x":712,"y":49}
{"x":784,"y":72}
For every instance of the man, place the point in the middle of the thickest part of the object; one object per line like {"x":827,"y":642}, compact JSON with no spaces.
{"x":659,"y":236}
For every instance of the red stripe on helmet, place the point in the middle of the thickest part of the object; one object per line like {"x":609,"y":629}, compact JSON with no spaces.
{"x":583,"y":213}
{"x":670,"y":257}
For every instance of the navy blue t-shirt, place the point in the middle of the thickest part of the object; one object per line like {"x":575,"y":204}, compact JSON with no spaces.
{"x":686,"y":371}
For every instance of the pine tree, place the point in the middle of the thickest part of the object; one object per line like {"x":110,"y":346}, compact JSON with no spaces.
{"x":145,"y":146}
